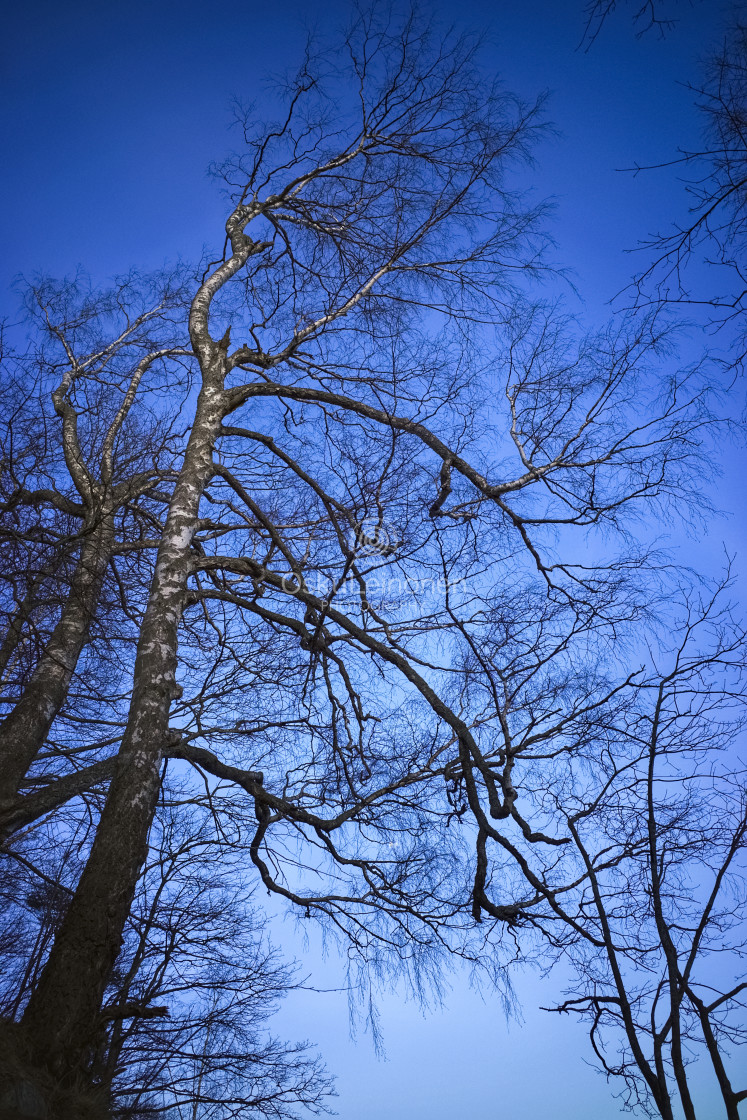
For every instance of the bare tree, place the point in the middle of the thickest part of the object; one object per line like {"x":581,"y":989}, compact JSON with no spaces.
{"x":662,"y":848}
{"x":638,"y":878}
{"x":182,"y":1030}
{"x":79,"y":489}
{"x":370,"y":555}
{"x":196,"y":943}
{"x":658,"y":16}
{"x":699,"y":264}
{"x":328,"y":236}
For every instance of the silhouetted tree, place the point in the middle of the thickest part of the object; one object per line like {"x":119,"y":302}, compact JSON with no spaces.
{"x":80,"y":499}
{"x":657,"y":16}
{"x":391,"y":556}
{"x":182,"y":1030}
{"x":700,"y":263}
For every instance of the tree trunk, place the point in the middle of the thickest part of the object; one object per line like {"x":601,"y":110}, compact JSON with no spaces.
{"x":62,"y":1016}
{"x":24,"y":730}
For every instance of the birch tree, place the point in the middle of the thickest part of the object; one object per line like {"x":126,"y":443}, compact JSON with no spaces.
{"x":184,"y":1021}
{"x":393,"y":509}
{"x":78,"y":485}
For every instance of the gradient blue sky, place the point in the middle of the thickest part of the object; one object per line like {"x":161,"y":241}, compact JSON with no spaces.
{"x":111,"y":114}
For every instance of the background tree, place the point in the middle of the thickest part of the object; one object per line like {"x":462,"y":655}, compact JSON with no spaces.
{"x":658,"y":16}
{"x":639,"y":880}
{"x":700,"y":263}
{"x":80,"y":502}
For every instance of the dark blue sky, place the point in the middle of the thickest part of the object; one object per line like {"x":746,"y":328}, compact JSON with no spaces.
{"x":111,"y":114}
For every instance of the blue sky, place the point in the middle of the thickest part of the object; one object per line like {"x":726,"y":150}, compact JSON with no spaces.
{"x":111,"y":114}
